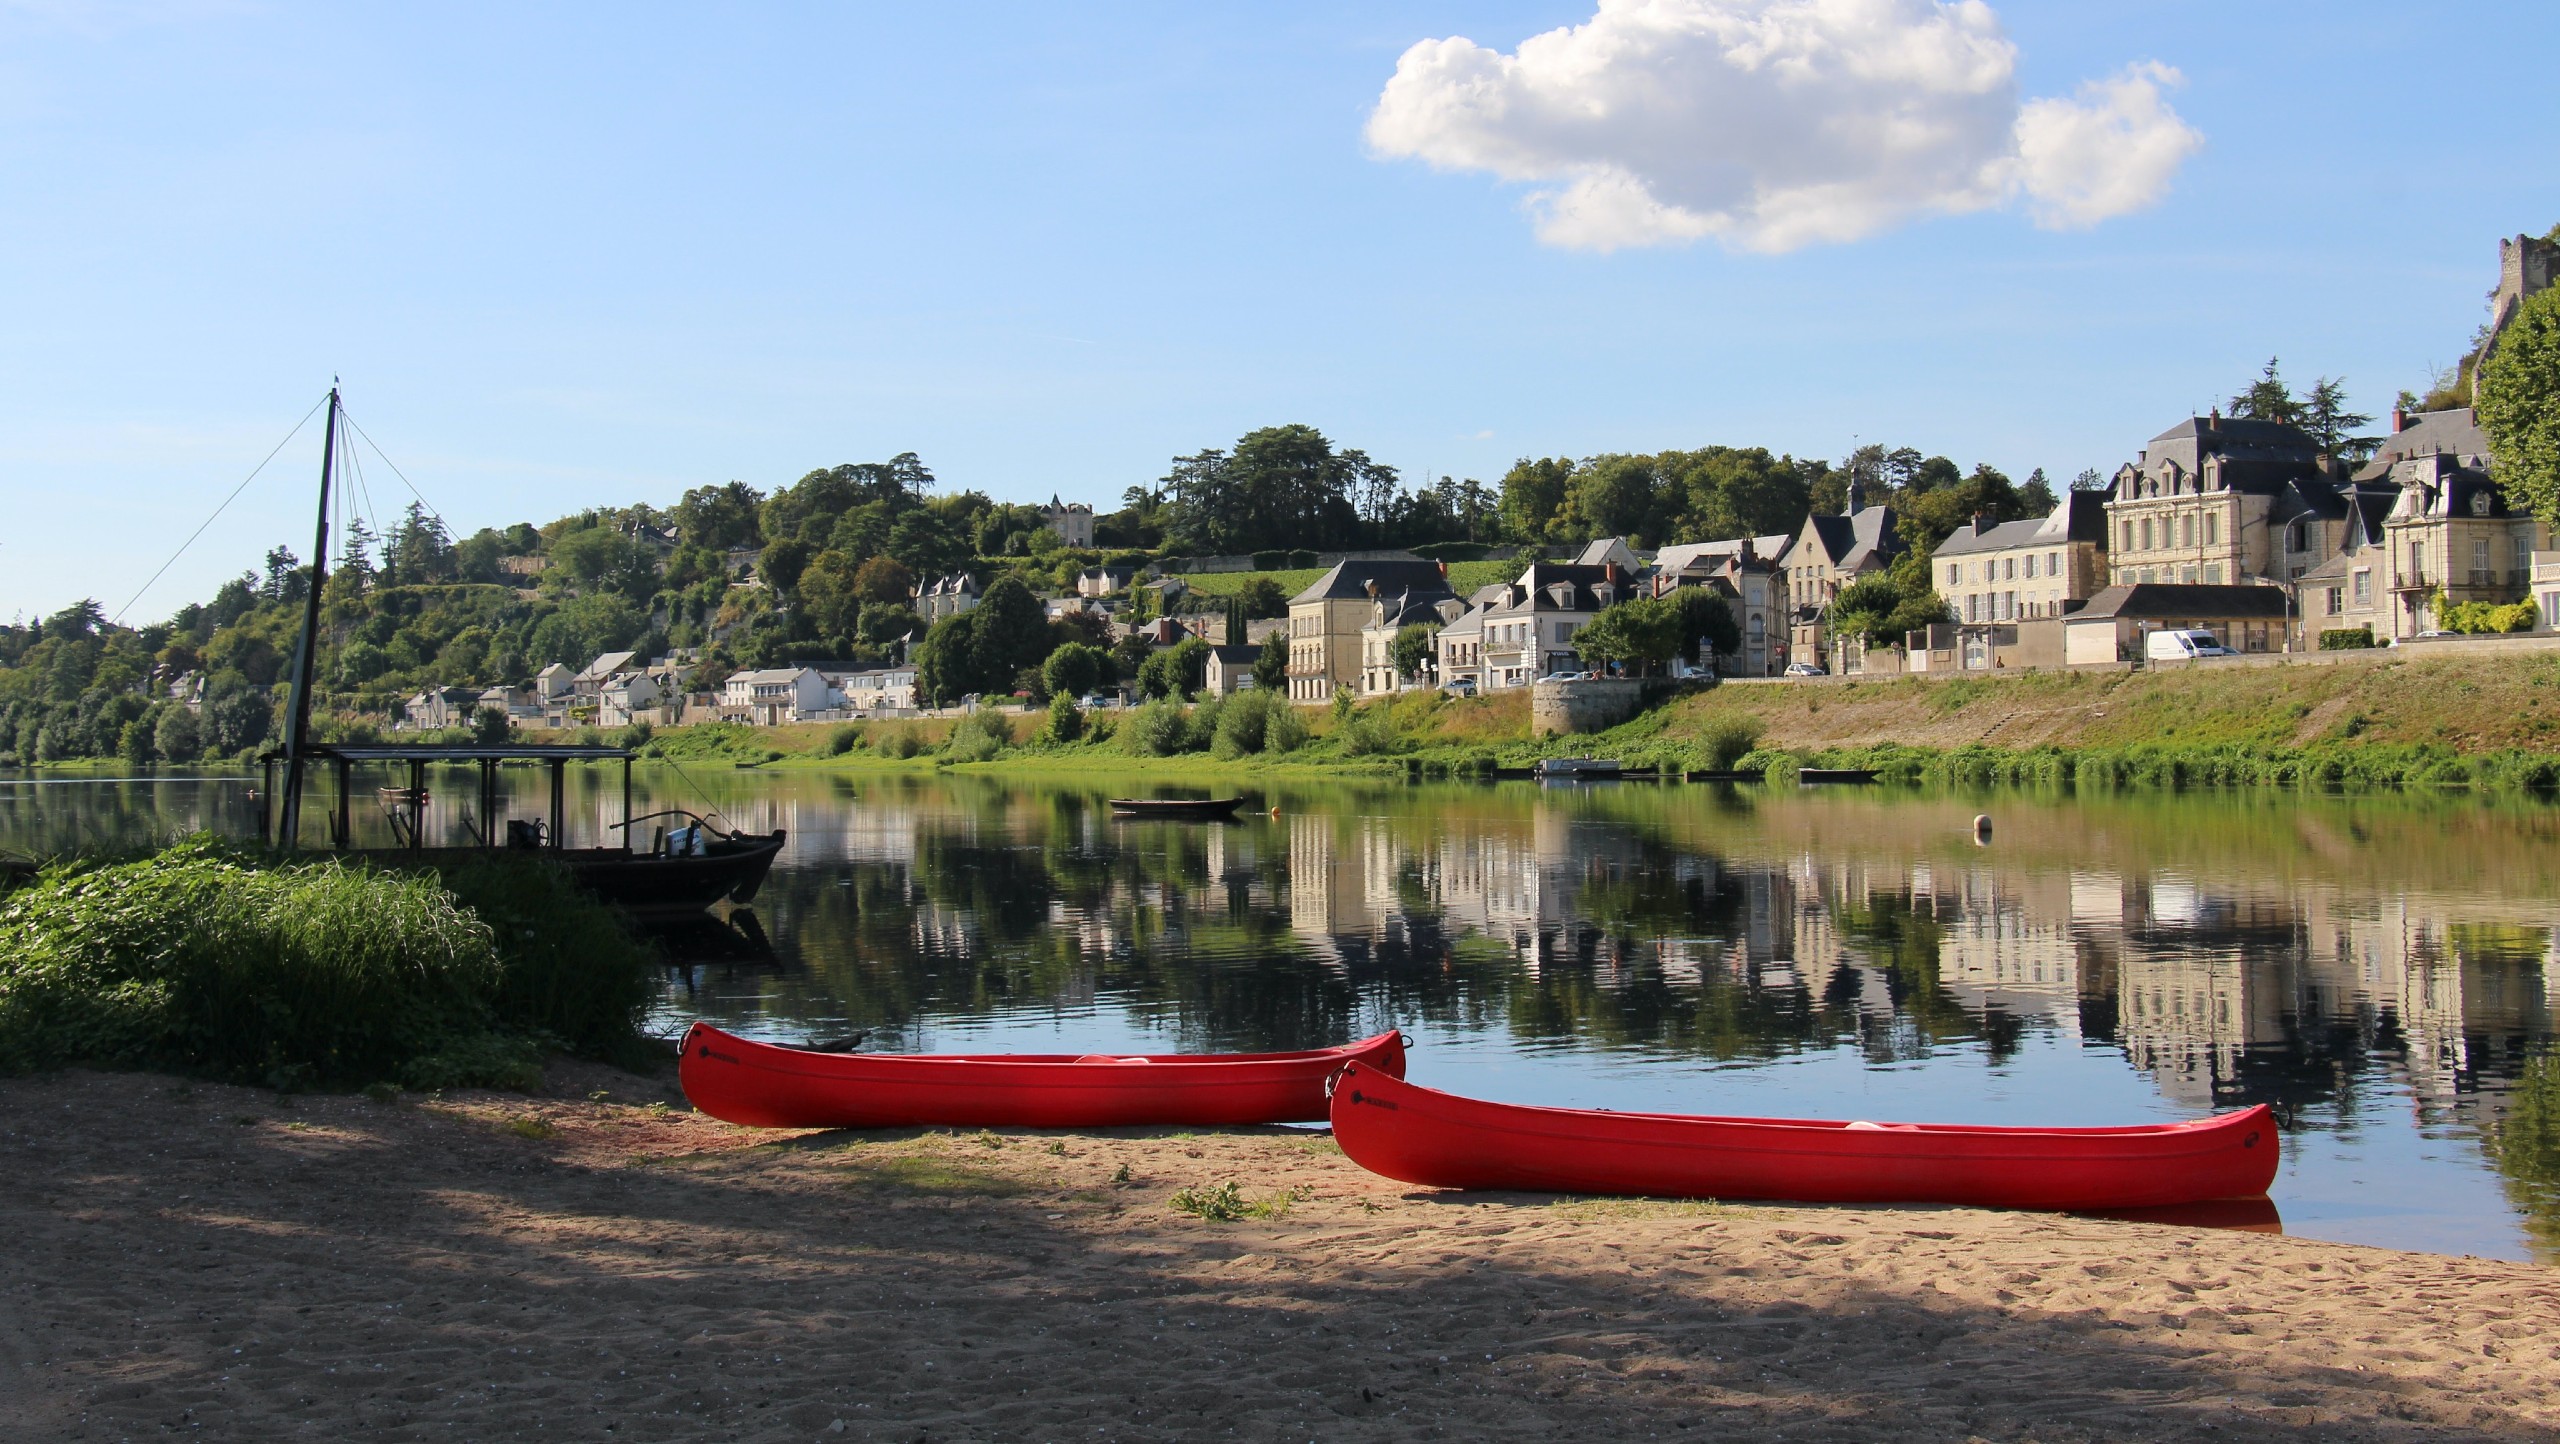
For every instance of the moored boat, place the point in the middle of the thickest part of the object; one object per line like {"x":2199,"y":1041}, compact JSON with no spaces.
{"x":739,"y":1080}
{"x":1176,"y":806}
{"x":1835,"y":776}
{"x":1580,"y":769}
{"x":1420,"y":1135}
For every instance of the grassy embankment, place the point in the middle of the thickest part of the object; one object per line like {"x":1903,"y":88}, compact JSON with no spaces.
{"x":2490,"y":721}
{"x":230,"y":963}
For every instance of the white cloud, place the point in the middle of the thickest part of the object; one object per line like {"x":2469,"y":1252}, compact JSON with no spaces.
{"x":1775,"y":124}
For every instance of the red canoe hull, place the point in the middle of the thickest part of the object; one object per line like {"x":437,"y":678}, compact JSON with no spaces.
{"x":759,"y":1085}
{"x":1420,"y":1135}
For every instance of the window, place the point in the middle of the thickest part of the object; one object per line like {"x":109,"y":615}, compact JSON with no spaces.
{"x":2213,"y":574}
{"x":2480,"y":503}
{"x":2524,"y":555}
{"x":2417,"y":561}
{"x":2146,"y":533}
{"x":2187,"y":575}
{"x":2053,"y":564}
{"x":2337,"y":600}
{"x":2479,"y":558}
{"x":2212,"y":529}
{"x":2009,"y":570}
{"x":2128,"y":536}
{"x":2186,"y":531}
{"x":1955,"y":573}
{"x":2364,"y":586}
{"x":2031,"y":566}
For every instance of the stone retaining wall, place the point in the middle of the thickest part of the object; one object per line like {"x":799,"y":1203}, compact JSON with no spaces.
{"x":1592,"y":706}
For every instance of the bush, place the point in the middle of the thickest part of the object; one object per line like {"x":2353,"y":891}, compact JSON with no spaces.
{"x":2346,"y":639}
{"x":979,"y":737}
{"x":1285,"y":729}
{"x":1156,"y":729}
{"x":1244,"y":724}
{"x":843,"y":740}
{"x":1371,"y":732}
{"x":902,"y":744}
{"x":1066,"y":719}
{"x":1726,"y":740}
{"x":2485,"y":618}
{"x":1200,"y":729}
{"x":209,"y":959}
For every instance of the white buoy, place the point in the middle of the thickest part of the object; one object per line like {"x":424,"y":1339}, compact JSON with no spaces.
{"x":1982,"y":827}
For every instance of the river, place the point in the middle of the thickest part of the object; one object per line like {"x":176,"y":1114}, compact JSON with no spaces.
{"x":2378,"y":968}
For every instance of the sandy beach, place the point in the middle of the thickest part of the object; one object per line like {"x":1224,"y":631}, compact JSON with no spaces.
{"x":187,"y":1260}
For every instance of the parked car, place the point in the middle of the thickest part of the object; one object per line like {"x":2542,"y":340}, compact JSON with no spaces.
{"x":2183,"y":644}
{"x":1807,"y":669}
{"x":1460,"y":687}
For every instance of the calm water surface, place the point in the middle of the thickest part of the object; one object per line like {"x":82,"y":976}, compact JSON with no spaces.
{"x":2380,"y":970}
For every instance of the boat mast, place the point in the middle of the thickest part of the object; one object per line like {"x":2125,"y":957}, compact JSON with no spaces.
{"x":297,"y":737}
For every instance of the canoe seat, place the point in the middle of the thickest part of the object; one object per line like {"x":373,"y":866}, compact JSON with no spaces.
{"x":1107,"y":1058}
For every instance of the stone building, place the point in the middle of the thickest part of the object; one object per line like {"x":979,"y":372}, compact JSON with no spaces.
{"x":1071,"y":520}
{"x":946,"y":597}
{"x":1828,"y":554}
{"x":1750,"y":574}
{"x":2025,"y":570}
{"x":2216,"y":500}
{"x":1529,"y":628}
{"x":1326,"y":620}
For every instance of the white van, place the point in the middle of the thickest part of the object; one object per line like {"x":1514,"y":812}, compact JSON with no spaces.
{"x":2188,"y":644}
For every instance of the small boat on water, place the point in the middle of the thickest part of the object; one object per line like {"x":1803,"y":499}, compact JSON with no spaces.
{"x":1722,"y":774}
{"x":1835,"y":776}
{"x":1580,"y":769}
{"x":1420,"y":1135}
{"x":1176,"y":806}
{"x":760,"y":1085}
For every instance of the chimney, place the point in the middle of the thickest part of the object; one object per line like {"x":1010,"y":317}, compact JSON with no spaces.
{"x":2399,"y":421}
{"x":1981,"y":522}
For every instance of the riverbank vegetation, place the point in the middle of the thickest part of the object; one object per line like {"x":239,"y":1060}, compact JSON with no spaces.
{"x":217,"y":960}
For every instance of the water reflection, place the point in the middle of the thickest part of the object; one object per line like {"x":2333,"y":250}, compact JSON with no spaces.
{"x":2380,"y":970}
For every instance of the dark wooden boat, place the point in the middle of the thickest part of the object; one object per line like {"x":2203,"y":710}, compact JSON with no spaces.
{"x":1420,"y":1135}
{"x":1176,"y":806}
{"x":1835,"y":776}
{"x":760,"y":1085}
{"x":1722,"y":774}
{"x":683,"y":870}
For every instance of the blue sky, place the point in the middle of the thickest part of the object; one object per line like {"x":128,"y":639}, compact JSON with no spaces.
{"x":568,"y":256}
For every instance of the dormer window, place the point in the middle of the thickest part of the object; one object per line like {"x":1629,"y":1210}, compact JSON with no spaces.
{"x":2480,"y":503}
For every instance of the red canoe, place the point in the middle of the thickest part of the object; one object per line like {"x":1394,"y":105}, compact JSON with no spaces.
{"x":739,"y":1080}
{"x":1419,"y":1135}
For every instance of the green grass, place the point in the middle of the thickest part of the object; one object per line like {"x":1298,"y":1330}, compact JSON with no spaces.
{"x":219,"y":960}
{"x":1226,"y":1203}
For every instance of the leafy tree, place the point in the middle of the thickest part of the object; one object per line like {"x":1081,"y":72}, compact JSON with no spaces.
{"x":1177,"y":671}
{"x":1066,"y":719}
{"x":1641,"y":631}
{"x":1282,"y":486}
{"x":984,"y":648}
{"x":1271,"y":669}
{"x":177,"y":737}
{"x":1412,"y":648}
{"x":830,"y":594}
{"x":2519,"y":406}
{"x":2325,"y":416}
{"x":718,"y":517}
{"x":781,"y":562}
{"x":1705,"y":619}
{"x":886,"y":580}
{"x":1881,"y":607}
{"x":926,"y":544}
{"x":2036,"y":496}
{"x":2267,"y":399}
{"x":1532,"y":493}
{"x":1075,"y":669}
{"x":491,"y":726}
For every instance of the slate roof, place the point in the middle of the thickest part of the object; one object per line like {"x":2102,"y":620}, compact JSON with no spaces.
{"x":2170,"y":601}
{"x":1349,"y":580}
{"x":2455,"y":432}
{"x":1849,"y":542}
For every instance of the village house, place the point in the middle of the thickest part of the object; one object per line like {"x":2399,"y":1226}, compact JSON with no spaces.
{"x":1529,"y":628}
{"x":590,"y":682}
{"x":1827,"y":554}
{"x":772,"y":696}
{"x":946,"y":597}
{"x":1460,"y":644}
{"x":875,"y":690}
{"x":1231,"y":668}
{"x":2351,"y":591}
{"x":2217,"y":500}
{"x":438,"y":708}
{"x":626,"y":697}
{"x":1099,"y":582}
{"x":1390,"y":615}
{"x":1749,"y":573}
{"x":2027,"y":570}
{"x":1327,"y":619}
{"x":520,"y":704}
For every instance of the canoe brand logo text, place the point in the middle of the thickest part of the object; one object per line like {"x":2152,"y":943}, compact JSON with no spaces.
{"x":723,"y":1057}
{"x":1359,"y":1097}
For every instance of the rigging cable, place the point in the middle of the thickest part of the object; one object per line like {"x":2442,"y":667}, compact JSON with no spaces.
{"x":396,"y":471}
{"x":217,"y":511}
